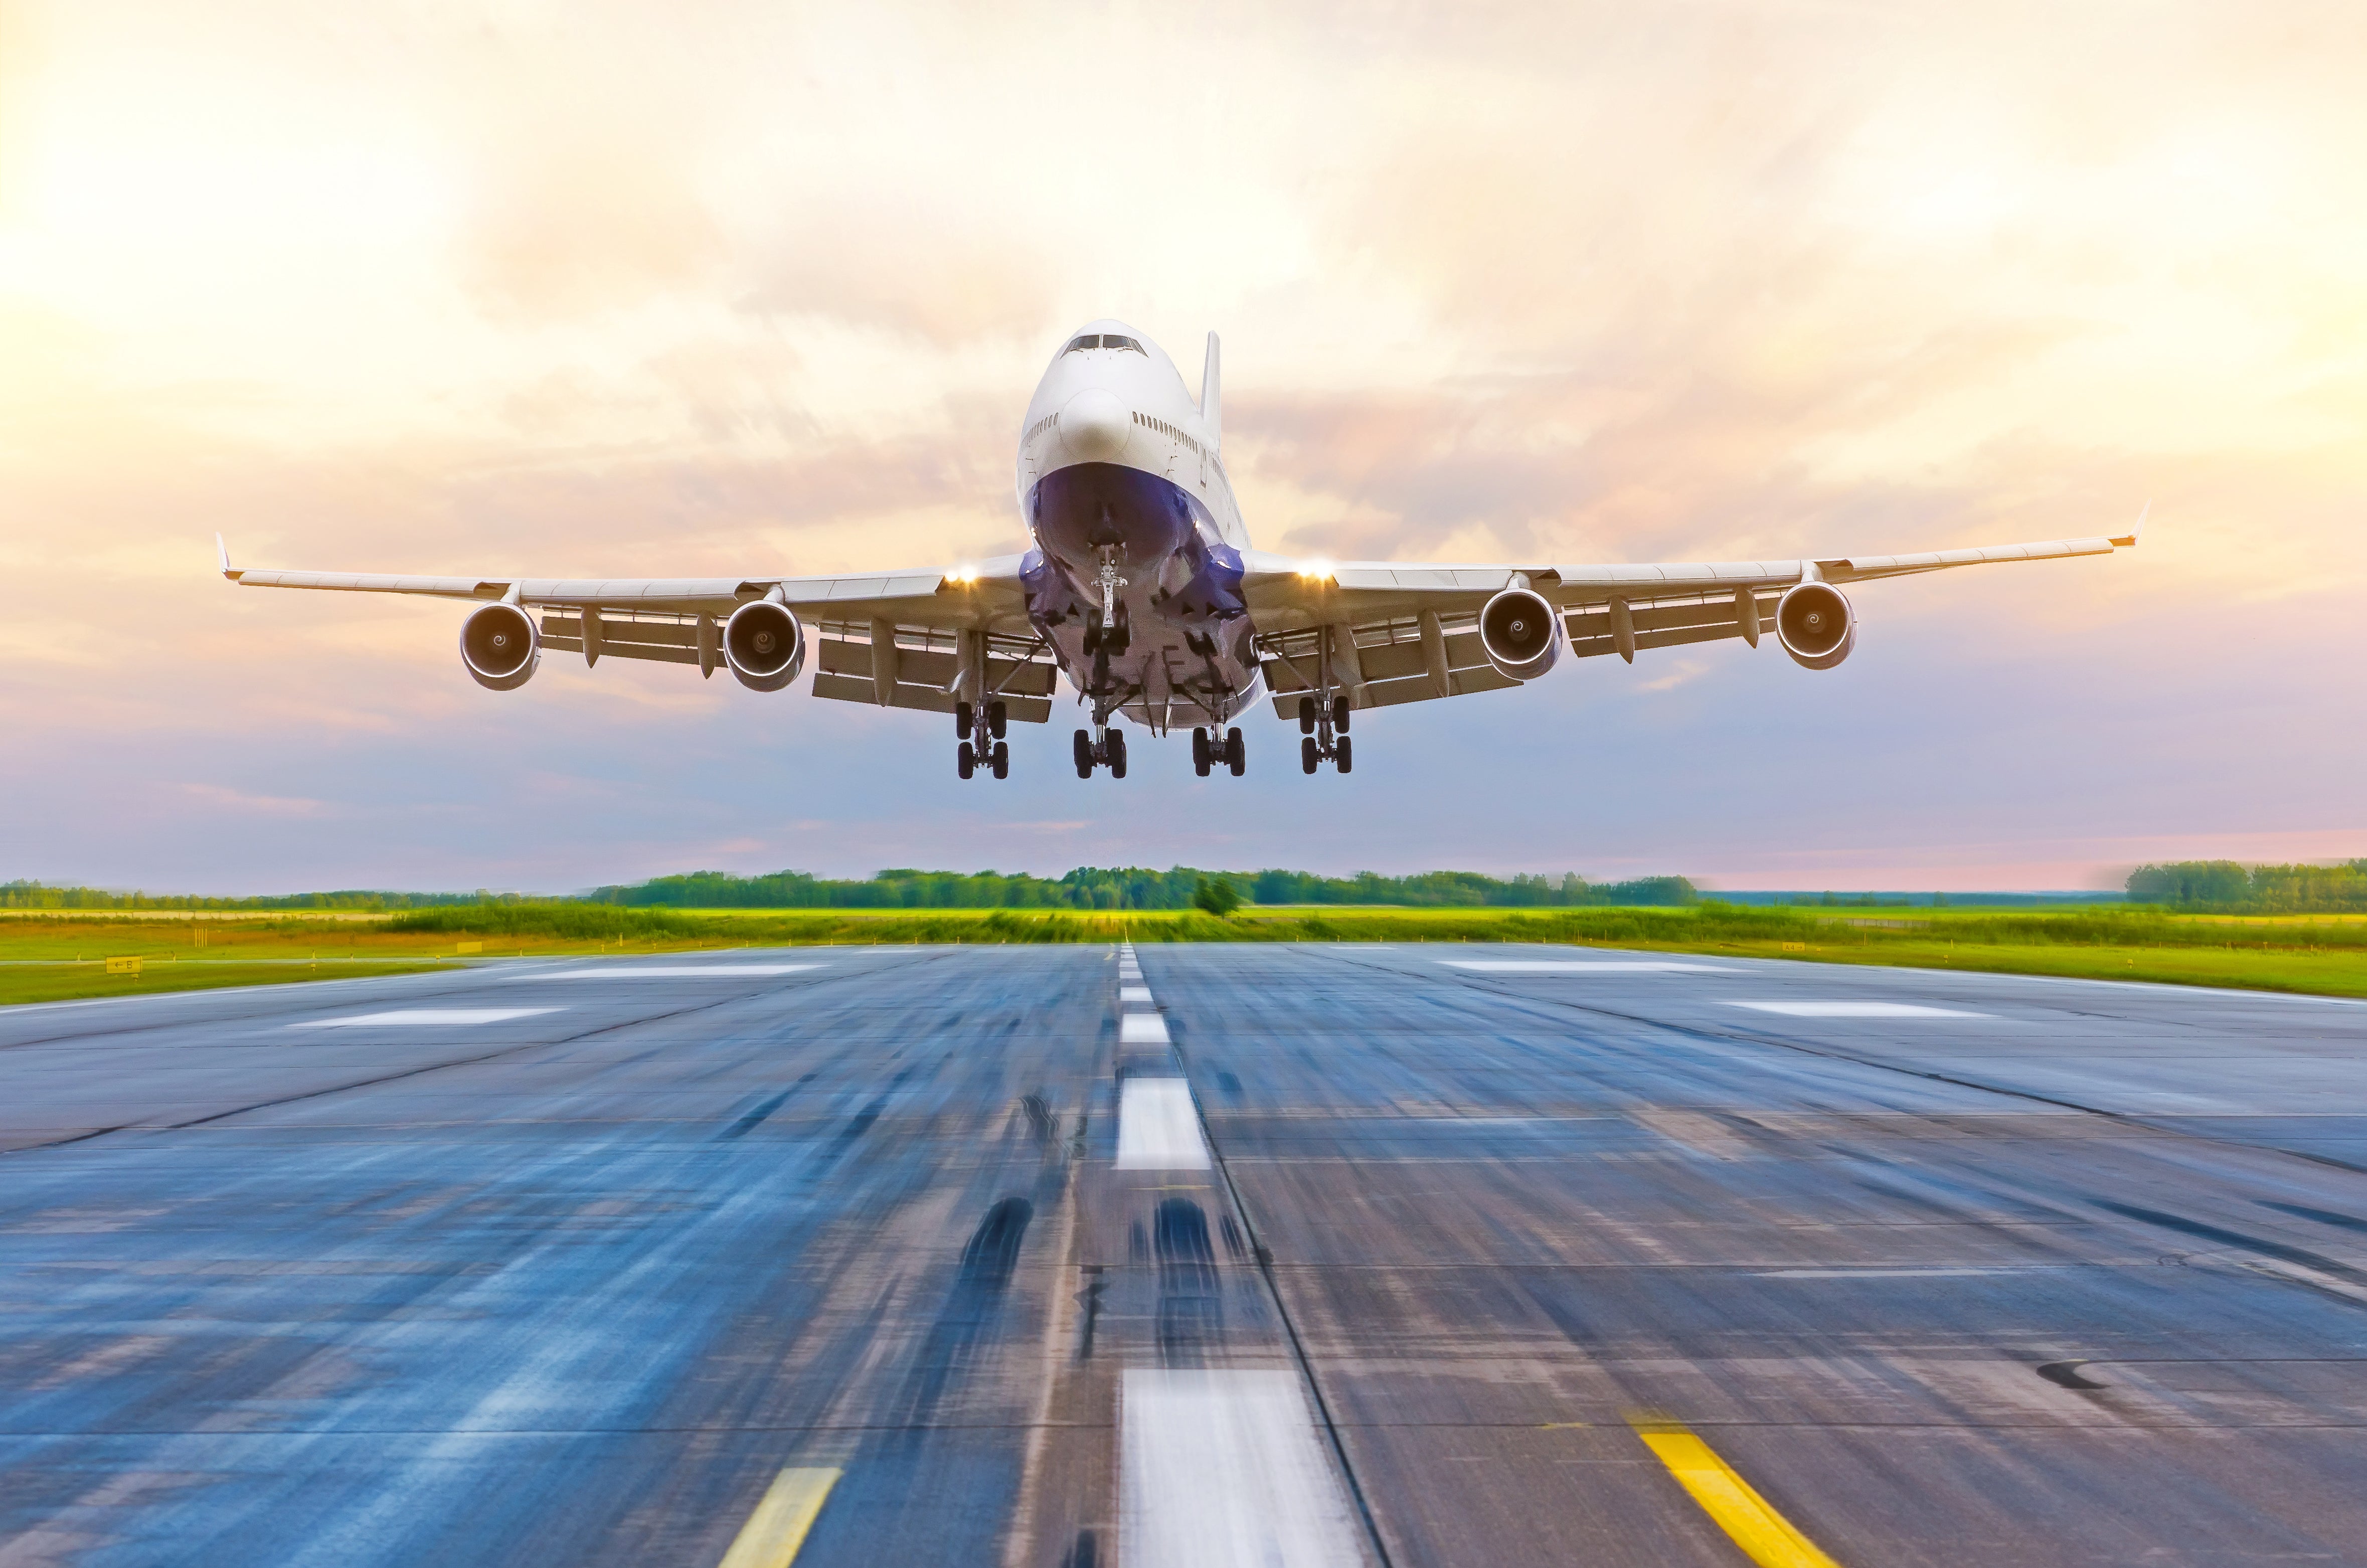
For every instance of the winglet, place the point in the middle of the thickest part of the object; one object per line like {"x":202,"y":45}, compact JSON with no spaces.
{"x":2129,"y":539}
{"x":222,"y":550}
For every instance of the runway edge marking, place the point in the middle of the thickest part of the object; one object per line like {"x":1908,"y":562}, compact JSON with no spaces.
{"x":1765,"y":1535}
{"x":776,"y":1528}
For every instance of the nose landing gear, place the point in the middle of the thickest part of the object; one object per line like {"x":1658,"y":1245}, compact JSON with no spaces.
{"x":1109,"y":751}
{"x":1207,"y":751}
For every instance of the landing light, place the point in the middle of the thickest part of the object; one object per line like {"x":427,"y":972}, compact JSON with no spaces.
{"x":1320,"y":571}
{"x":965,"y":575}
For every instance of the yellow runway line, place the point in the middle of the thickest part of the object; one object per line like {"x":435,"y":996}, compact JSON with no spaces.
{"x":778,"y":1528}
{"x":1763,"y":1533}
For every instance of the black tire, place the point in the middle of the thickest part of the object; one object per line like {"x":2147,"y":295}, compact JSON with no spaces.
{"x":1200,"y":751}
{"x":961,"y":720}
{"x":1343,"y":756}
{"x":1002,"y":759}
{"x":1117,"y":753}
{"x":1306,"y":716}
{"x":998,"y":718}
{"x":1339,"y":715}
{"x":965,"y":760}
{"x":1307,"y":757}
{"x":1236,"y":756}
{"x":1084,"y":750}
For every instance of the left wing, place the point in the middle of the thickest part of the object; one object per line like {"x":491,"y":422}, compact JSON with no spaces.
{"x":909,"y":639}
{"x":1381,"y":633}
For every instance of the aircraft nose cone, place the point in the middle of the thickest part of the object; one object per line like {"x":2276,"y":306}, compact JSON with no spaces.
{"x":1094,"y":426}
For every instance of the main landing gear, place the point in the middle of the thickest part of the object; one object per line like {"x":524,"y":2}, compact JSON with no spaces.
{"x":1207,"y":751}
{"x":981,"y":740}
{"x":1325,"y":728}
{"x":1109,"y":751}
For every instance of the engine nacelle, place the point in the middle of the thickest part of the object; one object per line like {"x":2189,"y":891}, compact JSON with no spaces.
{"x":500,"y":645}
{"x":764,"y":645}
{"x":1520,"y":632}
{"x":1815,"y":625}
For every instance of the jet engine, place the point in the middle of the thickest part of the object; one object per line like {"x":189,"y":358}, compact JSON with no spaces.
{"x":1815,"y":625}
{"x":764,"y":645}
{"x":1521,"y":632}
{"x":501,"y":647}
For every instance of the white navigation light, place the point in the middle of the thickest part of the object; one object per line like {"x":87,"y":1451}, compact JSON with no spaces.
{"x":1815,"y":624}
{"x":500,"y":646}
{"x":764,"y":645}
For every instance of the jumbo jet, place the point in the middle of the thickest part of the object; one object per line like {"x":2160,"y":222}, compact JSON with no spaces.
{"x":1143,"y":592}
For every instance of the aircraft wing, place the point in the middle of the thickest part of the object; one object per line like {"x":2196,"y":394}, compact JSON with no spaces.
{"x":1404,"y":632}
{"x":937,"y":621}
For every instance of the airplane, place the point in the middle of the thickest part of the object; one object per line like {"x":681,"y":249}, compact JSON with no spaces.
{"x":1142,"y":591}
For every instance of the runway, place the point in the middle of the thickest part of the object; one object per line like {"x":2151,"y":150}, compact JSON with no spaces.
{"x":1063,"y":1257}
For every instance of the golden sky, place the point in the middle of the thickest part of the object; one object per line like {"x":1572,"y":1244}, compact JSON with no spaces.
{"x":692,"y":287}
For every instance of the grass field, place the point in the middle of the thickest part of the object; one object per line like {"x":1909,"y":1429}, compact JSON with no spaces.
{"x":51,"y":957}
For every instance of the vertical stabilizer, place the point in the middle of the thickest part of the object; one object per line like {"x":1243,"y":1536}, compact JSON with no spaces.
{"x":1211,"y":385}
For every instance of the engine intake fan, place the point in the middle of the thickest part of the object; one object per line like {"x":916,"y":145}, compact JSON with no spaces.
{"x":500,"y":646}
{"x":765,"y":645}
{"x":1815,"y":624}
{"x":1521,"y":632}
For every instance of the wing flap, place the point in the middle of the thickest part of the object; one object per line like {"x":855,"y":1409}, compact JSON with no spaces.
{"x":927,"y":699}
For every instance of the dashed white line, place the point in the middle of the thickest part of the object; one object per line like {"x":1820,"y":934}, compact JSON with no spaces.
{"x":1134,"y":994}
{"x":1220,"y":1467}
{"x":1158,"y":1129}
{"x":1142,"y":1029}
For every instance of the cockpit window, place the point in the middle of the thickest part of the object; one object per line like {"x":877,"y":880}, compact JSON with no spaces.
{"x":1088,"y":341}
{"x":1104,"y":340}
{"x":1110,"y":340}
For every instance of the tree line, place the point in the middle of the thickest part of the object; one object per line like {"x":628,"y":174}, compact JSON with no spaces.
{"x":2265,"y":889}
{"x":1132,"y":887}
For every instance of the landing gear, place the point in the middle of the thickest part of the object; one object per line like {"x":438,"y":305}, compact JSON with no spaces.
{"x":976,"y":750}
{"x":1343,"y":756}
{"x":998,"y":719}
{"x":1338,"y":716}
{"x":1306,"y":716}
{"x":1200,"y":757}
{"x":1236,"y":757}
{"x":1309,"y":758}
{"x":1109,"y":753}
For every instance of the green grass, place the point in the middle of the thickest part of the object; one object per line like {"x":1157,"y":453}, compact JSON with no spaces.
{"x":48,"y":957}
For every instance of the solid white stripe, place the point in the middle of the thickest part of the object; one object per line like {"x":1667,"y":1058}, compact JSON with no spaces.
{"x":1856,"y":1009}
{"x":428,"y":1016}
{"x":1157,"y":1127}
{"x":668,"y":971}
{"x":1619,"y":966}
{"x":1224,"y":1470}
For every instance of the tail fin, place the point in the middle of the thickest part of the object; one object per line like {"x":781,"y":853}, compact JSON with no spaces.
{"x":1211,"y":386}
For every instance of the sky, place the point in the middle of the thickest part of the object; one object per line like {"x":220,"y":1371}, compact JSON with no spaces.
{"x":710,"y":289}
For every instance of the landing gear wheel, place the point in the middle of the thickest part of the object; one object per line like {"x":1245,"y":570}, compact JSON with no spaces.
{"x":1305,"y":715}
{"x":1002,"y":759}
{"x":998,"y":716}
{"x":1343,"y":756}
{"x":1307,"y":757}
{"x":1200,"y":758}
{"x":965,"y":760}
{"x":1236,"y":755}
{"x":961,"y":720}
{"x":1339,"y":715}
{"x":1084,"y":755}
{"x":1117,"y":753}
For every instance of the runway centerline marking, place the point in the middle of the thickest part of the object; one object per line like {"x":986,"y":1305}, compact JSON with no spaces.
{"x":1223,"y":1467}
{"x":436,"y":1017}
{"x":665,"y":971}
{"x":1134,"y":994}
{"x":1858,"y":1009}
{"x":1607,"y":966}
{"x":1158,"y":1127}
{"x":1142,"y":1029}
{"x":777,"y":1526}
{"x":1767,"y":1537}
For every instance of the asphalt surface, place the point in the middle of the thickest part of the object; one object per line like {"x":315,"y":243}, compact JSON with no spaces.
{"x":2060,"y":1273}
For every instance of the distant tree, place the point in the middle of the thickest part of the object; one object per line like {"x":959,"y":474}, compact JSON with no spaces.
{"x":1217,"y":895}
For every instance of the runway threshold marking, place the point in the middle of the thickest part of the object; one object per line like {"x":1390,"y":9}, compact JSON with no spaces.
{"x":1766,"y":1537}
{"x":663,"y":971}
{"x":1858,"y":1009}
{"x":777,"y":1527}
{"x":1157,"y":1126}
{"x":428,"y":1017}
{"x":1607,"y":966}
{"x":1222,"y":1467}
